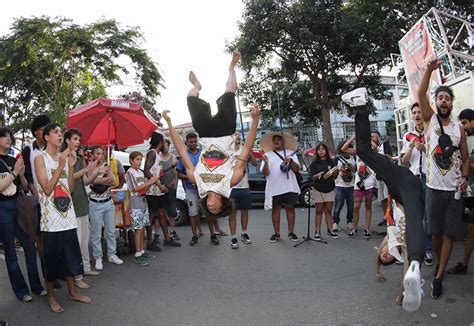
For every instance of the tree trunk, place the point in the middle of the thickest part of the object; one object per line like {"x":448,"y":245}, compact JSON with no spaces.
{"x":325,"y":113}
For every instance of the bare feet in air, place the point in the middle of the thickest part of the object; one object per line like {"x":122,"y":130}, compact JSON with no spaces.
{"x":235,"y":59}
{"x":54,"y":305}
{"x":193,"y":79}
{"x":81,"y":298}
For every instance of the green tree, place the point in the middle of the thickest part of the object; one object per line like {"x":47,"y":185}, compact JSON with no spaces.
{"x":307,"y":46}
{"x":52,"y":65}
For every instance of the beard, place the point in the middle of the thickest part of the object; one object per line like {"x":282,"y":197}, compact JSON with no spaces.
{"x":444,"y":115}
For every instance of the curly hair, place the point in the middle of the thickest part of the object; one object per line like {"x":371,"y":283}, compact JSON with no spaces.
{"x":226,"y":209}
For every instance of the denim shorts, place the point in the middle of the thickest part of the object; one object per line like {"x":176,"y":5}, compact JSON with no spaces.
{"x":242,"y":198}
{"x":170,"y":202}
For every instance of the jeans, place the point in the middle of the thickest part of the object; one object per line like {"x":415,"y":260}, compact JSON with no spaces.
{"x":83,"y":235}
{"x":102,"y":214}
{"x":170,"y":199}
{"x":343,"y":194}
{"x":222,"y":124}
{"x":9,"y":228}
{"x":428,"y":241}
{"x":402,"y":184}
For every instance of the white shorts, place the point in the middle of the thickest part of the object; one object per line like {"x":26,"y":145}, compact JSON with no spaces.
{"x":382,"y":190}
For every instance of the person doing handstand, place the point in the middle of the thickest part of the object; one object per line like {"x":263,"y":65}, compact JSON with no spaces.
{"x":215,"y":174}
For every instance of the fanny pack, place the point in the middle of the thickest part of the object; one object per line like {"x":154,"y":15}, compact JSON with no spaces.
{"x":445,"y":143}
{"x":285,"y":168}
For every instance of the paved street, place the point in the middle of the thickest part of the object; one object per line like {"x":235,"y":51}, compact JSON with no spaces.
{"x":257,"y":284}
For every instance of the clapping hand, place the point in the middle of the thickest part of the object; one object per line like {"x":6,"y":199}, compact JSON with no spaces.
{"x":19,"y":167}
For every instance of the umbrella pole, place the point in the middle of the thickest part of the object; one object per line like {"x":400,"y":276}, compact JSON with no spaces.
{"x":108,"y":141}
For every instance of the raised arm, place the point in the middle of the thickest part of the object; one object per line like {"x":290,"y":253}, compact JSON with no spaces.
{"x":426,"y":109}
{"x":180,"y":147}
{"x":241,"y":164}
{"x":346,"y":147}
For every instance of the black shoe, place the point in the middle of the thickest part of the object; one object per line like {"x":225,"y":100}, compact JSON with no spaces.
{"x":153,"y":247}
{"x":171,"y":243}
{"x":245,"y":238}
{"x":436,"y":288}
{"x":460,"y":268}
{"x":57,"y":285}
{"x":293,"y":236}
{"x":367,"y":234}
{"x":351,"y":234}
{"x":214,"y":239}
{"x":332,"y":234}
{"x":382,"y":223}
{"x":428,"y":259}
{"x":234,"y":243}
{"x":274,"y":238}
{"x":194,"y":240}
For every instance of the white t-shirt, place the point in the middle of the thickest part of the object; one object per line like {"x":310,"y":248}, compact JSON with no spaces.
{"x":215,"y":167}
{"x":418,"y":158}
{"x":244,"y":183}
{"x":396,"y":231}
{"x":443,"y":174}
{"x":279,"y":182}
{"x":339,"y":180}
{"x":155,"y":170}
{"x":57,"y":211}
{"x":363,"y":170}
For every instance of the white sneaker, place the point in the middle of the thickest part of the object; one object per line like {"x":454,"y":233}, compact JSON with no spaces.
{"x":98,"y":264}
{"x":357,"y":97}
{"x":412,"y":284}
{"x":115,"y":260}
{"x":350,"y":225}
{"x":335,"y":227}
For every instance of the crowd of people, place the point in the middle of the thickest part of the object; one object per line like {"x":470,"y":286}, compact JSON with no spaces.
{"x":75,"y":207}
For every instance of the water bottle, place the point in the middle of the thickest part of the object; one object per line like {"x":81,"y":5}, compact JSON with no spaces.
{"x":458,"y":193}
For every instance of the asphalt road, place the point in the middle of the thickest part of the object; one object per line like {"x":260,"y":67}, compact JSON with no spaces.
{"x":257,"y":284}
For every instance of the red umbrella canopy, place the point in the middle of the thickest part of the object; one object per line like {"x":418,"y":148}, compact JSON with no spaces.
{"x":105,"y":121}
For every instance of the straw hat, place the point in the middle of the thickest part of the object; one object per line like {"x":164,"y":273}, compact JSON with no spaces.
{"x":266,"y":141}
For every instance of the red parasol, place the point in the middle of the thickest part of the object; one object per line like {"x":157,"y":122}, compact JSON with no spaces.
{"x":105,"y":121}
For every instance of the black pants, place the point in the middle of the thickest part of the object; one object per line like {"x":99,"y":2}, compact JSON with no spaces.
{"x":402,"y":184}
{"x":222,"y":124}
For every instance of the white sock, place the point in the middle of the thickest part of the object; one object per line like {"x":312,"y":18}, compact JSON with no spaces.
{"x":244,"y":231}
{"x":138,"y":254}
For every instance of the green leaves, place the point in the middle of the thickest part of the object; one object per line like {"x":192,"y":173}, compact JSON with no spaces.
{"x":52,"y":65}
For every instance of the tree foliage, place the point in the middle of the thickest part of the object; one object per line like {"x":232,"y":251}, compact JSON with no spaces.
{"x":52,"y":65}
{"x":146,"y":103}
{"x":318,"y":50}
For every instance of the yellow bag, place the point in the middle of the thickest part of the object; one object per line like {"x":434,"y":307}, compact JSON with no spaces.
{"x":114,"y":168}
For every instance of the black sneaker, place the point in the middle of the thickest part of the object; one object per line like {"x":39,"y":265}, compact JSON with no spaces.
{"x":274,"y":238}
{"x":351,"y":234}
{"x":293,"y":236}
{"x":194,"y":240}
{"x":234,"y":243}
{"x":245,"y":238}
{"x":428,"y":259}
{"x":171,"y":243}
{"x":174,"y":235}
{"x":436,"y":288}
{"x":367,"y":234}
{"x":214,"y":239}
{"x":332,"y":234}
{"x":460,"y":268}
{"x":153,"y":247}
{"x":317,"y":236}
{"x":382,"y":223}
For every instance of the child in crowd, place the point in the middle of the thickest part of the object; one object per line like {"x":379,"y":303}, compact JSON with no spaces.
{"x":138,"y":185}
